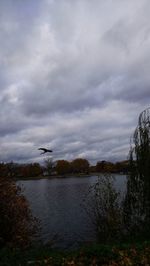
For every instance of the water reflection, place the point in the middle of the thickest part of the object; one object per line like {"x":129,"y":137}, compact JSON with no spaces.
{"x":57,"y":203}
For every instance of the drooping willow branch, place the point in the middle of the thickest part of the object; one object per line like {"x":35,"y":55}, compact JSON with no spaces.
{"x":137,"y":201}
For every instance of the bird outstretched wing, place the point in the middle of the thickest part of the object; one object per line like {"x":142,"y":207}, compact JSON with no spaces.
{"x":45,"y":150}
{"x":42,"y":149}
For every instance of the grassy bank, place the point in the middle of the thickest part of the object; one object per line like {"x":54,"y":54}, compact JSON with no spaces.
{"x":123,"y":254}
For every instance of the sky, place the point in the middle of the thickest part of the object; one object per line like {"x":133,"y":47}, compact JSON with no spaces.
{"x":74,"y":77}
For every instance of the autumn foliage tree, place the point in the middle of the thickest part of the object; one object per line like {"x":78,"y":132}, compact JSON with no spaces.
{"x":80,"y":165}
{"x":17,"y":225}
{"x":30,"y":170}
{"x":62,"y":167}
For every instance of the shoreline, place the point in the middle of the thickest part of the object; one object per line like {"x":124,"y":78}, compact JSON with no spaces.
{"x":64,"y":176}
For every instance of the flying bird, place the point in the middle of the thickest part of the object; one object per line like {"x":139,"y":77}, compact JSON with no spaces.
{"x":44,"y":150}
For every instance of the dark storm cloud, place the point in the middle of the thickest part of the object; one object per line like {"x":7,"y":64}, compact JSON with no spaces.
{"x":74,"y":76}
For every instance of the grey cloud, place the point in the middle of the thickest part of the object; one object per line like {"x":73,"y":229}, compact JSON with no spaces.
{"x":74,"y":75}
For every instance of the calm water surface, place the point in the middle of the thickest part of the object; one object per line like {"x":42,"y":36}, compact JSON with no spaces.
{"x":57,"y":203}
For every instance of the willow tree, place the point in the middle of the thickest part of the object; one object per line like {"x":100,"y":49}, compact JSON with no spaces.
{"x":137,"y":200}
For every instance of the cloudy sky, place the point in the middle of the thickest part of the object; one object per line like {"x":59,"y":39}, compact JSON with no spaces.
{"x":74,"y":76}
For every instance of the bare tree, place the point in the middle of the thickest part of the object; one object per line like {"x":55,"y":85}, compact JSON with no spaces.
{"x":49,"y":165}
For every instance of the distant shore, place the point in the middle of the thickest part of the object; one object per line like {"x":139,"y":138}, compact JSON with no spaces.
{"x":64,"y":176}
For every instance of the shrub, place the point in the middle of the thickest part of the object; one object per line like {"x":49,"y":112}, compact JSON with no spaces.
{"x":103,"y":206}
{"x":17,"y":225}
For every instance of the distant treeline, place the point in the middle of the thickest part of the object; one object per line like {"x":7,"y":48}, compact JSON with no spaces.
{"x":61,"y":167}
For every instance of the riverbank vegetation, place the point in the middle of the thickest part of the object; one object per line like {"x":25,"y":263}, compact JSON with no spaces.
{"x":130,"y":254}
{"x":126,"y":217}
{"x":137,"y":198}
{"x":63,"y":168}
{"x":104,"y":206}
{"x":17,"y":225}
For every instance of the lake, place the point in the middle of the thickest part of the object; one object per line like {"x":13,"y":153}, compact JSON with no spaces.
{"x":57,"y":203}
